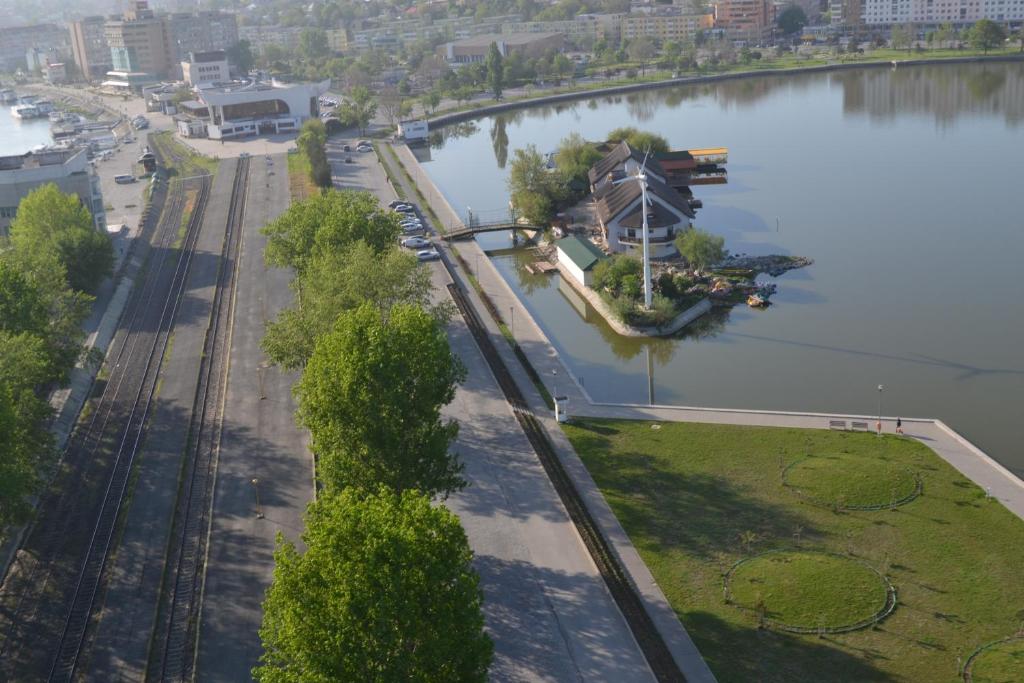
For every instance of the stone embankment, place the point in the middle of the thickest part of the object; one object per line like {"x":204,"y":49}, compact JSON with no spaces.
{"x":774,"y":265}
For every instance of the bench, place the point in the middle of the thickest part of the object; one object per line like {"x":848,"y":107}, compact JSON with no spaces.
{"x":860,"y":426}
{"x":837,"y":424}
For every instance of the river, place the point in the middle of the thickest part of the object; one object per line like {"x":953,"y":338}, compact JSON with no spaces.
{"x":18,"y":136}
{"x":904,"y":186}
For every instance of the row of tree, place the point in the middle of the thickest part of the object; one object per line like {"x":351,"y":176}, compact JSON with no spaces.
{"x":52,"y":260}
{"x":385,"y":589}
{"x":312,"y":143}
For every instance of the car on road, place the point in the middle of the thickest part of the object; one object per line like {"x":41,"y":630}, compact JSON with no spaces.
{"x":124,"y":179}
{"x":364,"y":148}
{"x":415,"y":242}
{"x":364,"y":143}
{"x":346,"y":148}
{"x":428,"y":255}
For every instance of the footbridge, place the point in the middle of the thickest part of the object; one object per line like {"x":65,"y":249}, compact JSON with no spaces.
{"x":477,"y":223}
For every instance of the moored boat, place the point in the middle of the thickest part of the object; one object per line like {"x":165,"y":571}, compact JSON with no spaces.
{"x":25,"y":111}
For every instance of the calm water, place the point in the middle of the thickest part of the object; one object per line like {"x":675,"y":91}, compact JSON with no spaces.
{"x":17,"y":136}
{"x":906,"y":187}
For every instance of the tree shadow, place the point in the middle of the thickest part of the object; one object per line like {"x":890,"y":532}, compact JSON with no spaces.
{"x":739,"y":653}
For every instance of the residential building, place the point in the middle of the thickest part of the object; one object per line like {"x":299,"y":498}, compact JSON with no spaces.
{"x":593,"y":26}
{"x":55,"y":73}
{"x":337,"y":40}
{"x":69,"y":169}
{"x":89,"y":47}
{"x":676,"y":27}
{"x":475,"y":49}
{"x":260,"y":37}
{"x":204,"y":68}
{"x":202,"y":32}
{"x":391,"y":34}
{"x":751,"y":20}
{"x":875,"y":12}
{"x":141,"y":44}
{"x":17,"y":41}
{"x":845,"y":14}
{"x":256,"y":107}
{"x":578,"y":256}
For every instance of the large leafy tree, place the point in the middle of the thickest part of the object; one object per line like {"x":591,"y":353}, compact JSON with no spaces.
{"x":241,"y":57}
{"x":700,"y":248}
{"x":329,"y":222}
{"x":359,"y":108}
{"x":792,"y":19}
{"x":371,"y":397}
{"x":638,"y":139}
{"x":575,"y":156}
{"x":495,"y":71}
{"x":535,"y":191}
{"x":312,"y":142}
{"x":341,"y":281}
{"x":642,"y":49}
{"x":49,"y":220}
{"x":385,"y":591}
{"x":986,"y":34}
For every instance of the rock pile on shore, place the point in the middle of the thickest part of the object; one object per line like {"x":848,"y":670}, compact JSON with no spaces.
{"x":774,"y":265}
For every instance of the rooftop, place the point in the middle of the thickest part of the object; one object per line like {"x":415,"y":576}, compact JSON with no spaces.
{"x":620,"y":197}
{"x":509,"y":39}
{"x":38,"y":159}
{"x":584,"y":253}
{"x":621,"y":153}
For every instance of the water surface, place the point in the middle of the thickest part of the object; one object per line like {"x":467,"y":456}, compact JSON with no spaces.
{"x":907,"y":189}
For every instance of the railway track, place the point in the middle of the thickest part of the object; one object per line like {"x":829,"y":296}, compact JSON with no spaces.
{"x":147,"y":350}
{"x":47,"y":598}
{"x":173,"y":646}
{"x":658,"y":656}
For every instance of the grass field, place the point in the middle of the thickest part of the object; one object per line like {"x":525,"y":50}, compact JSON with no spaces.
{"x":695,"y":499}
{"x":300,"y":180}
{"x":1001,"y":663}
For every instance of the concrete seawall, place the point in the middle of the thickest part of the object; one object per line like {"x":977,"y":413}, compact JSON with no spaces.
{"x":479,"y":112}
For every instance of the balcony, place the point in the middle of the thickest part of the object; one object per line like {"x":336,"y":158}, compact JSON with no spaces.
{"x":637,"y":237}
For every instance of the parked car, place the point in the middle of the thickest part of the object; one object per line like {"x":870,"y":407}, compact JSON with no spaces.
{"x":413,"y":230}
{"x":124,"y":179}
{"x":428,"y":255}
{"x":395,"y":203}
{"x":346,"y":148}
{"x":364,"y":143}
{"x":364,"y":148}
{"x":348,"y":160}
{"x":411,"y":224}
{"x":415,"y":242}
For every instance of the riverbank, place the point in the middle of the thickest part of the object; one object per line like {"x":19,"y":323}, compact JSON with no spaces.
{"x":471,"y":112}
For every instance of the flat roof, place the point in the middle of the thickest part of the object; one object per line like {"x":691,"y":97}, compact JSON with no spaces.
{"x":507,"y":38}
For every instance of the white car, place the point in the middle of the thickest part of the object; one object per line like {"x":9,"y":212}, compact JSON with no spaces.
{"x":415,"y":242}
{"x":364,"y":148}
{"x":428,"y":255}
{"x":413,"y":230}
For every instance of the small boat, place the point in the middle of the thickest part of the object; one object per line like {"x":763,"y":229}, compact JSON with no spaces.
{"x":756,"y":301}
{"x":24,"y":111}
{"x":45,"y":107}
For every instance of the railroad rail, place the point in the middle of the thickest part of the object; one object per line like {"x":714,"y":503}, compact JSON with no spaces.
{"x":147,"y":349}
{"x":173,"y":653}
{"x":658,"y":656}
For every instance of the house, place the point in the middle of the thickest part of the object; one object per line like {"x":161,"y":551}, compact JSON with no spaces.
{"x":621,"y":219}
{"x":579,"y":256}
{"x":612,"y":166}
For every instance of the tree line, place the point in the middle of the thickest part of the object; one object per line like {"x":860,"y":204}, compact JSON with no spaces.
{"x":384,"y":589}
{"x":50,"y":265}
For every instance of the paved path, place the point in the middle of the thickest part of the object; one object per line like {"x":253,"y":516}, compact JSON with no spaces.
{"x":260,"y":441}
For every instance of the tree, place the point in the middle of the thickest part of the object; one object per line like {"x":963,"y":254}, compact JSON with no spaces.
{"x":391,"y":102}
{"x":312,"y":142}
{"x":48,"y":219}
{"x":313,"y":43}
{"x":360,"y":108}
{"x":342,"y":281}
{"x":325,"y":223}
{"x":385,"y":591}
{"x":241,"y":57}
{"x":641,"y":49}
{"x":792,"y":19}
{"x":986,"y":34}
{"x":430,"y":101}
{"x":944,"y":34}
{"x":641,"y":140}
{"x":495,"y":71}
{"x":562,"y":66}
{"x":901,"y":38}
{"x":371,"y":397}
{"x":700,"y":248}
{"x":614,"y":274}
{"x":535,"y":192}
{"x":575,"y":156}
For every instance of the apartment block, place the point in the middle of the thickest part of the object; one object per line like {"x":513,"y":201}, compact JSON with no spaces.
{"x":141,"y":43}
{"x":17,"y":41}
{"x":677,"y":27}
{"x":594,"y":26}
{"x":751,"y":20}
{"x":89,"y":47}
{"x":68,"y":169}
{"x":875,"y":12}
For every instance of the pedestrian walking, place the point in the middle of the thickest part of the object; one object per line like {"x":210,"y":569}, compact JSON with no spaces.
{"x":899,"y":426}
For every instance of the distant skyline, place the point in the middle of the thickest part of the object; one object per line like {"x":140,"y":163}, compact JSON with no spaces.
{"x":21,"y":12}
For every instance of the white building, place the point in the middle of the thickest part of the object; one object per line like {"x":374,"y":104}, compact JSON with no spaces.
{"x":253,"y":107}
{"x":69,"y":169}
{"x":579,"y":256}
{"x":885,"y":12}
{"x":413,"y":131}
{"x":205,"y":68}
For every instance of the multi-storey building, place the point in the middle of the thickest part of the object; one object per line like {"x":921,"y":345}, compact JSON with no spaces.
{"x":259,"y":37}
{"x":89,"y":47}
{"x":202,"y":68}
{"x":140,"y":43}
{"x":202,"y":32}
{"x":68,"y":169}
{"x":594,"y":26}
{"x":17,"y":41}
{"x":394,"y":33}
{"x":676,"y":27}
{"x":877,"y":12}
{"x":475,"y":49}
{"x":745,"y":19}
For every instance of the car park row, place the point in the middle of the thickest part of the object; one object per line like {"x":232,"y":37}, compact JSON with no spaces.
{"x":413,"y":231}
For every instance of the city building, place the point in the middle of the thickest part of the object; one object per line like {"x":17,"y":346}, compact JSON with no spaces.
{"x":140,"y":46}
{"x":592,"y":26}
{"x":203,"y":68}
{"x":475,"y":49}
{"x":579,"y":255}
{"x":337,"y":40}
{"x":751,"y":20}
{"x":69,"y":169}
{"x":413,"y":130}
{"x":89,"y":47}
{"x":677,"y":27}
{"x":260,"y":37}
{"x":256,"y":107}
{"x":17,"y":41}
{"x":391,"y":34}
{"x":201,"y":32}
{"x":875,"y":12}
{"x":55,"y":73}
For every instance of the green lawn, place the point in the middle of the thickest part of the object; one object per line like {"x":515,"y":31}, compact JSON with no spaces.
{"x":688,"y":493}
{"x":1001,"y":663}
{"x":848,"y":480}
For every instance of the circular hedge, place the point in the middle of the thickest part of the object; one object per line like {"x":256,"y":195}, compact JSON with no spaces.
{"x":809,"y":591}
{"x":997,"y":662}
{"x":852,"y":482}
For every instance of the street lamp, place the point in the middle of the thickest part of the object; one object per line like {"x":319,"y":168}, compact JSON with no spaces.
{"x":554,"y":382}
{"x":879,"y":425}
{"x":259,"y":510}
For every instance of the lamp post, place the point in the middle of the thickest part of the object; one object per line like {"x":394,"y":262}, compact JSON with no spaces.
{"x":554,"y":383}
{"x":256,"y":487}
{"x":879,"y":425}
